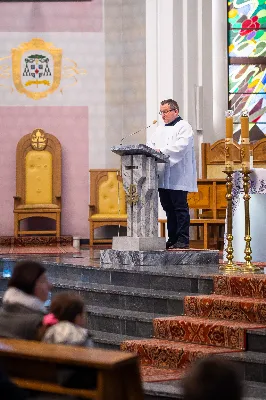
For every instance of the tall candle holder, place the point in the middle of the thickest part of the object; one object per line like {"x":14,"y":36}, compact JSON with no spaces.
{"x":229,"y":266}
{"x":248,"y":267}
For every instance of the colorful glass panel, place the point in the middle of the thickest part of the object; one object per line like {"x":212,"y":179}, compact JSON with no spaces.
{"x":252,"y":44}
{"x":246,"y":14}
{"x":254,"y":103}
{"x":247,"y":78}
{"x":256,"y":132}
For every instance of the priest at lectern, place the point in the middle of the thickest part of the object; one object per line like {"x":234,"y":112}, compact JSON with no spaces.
{"x":177,"y":177}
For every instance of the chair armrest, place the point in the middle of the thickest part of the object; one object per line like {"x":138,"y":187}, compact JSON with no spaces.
{"x":17,"y":201}
{"x":91,"y":210}
{"x":58,"y":200}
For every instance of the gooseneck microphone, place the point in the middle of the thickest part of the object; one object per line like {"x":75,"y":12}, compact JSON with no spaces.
{"x":134,"y":133}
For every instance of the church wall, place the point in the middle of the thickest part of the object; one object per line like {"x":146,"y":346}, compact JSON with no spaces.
{"x":74,"y":112}
{"x":70,"y":126}
{"x":125,"y":74}
{"x":129,"y":56}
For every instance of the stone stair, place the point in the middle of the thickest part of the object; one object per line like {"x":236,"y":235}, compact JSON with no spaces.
{"x":222,"y":324}
{"x":122,"y":305}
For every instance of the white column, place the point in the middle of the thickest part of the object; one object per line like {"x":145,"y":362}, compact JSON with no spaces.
{"x":220,"y":67}
{"x":159,"y":56}
{"x":151,"y":63}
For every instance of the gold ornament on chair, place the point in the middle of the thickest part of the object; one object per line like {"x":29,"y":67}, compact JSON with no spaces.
{"x":38,"y":139}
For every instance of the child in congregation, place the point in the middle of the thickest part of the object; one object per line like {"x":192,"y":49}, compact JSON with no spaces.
{"x":65,"y":324}
{"x":66,"y":321}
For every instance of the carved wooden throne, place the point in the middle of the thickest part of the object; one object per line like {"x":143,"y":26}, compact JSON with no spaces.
{"x":38,"y":181}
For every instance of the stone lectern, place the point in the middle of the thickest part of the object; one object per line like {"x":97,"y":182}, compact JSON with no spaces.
{"x":140,"y":181}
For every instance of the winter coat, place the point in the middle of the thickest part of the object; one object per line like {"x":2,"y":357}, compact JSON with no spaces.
{"x":20,"y":315}
{"x":65,"y":332}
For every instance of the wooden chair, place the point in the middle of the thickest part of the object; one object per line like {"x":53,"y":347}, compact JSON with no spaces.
{"x":213,"y":157}
{"x":107,"y":201}
{"x":38,"y":181}
{"x":210,"y":198}
{"x":36,"y":366}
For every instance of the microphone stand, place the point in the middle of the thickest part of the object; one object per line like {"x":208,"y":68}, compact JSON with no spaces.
{"x":134,"y":133}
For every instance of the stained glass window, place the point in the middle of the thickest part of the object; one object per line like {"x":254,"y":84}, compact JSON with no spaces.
{"x":247,"y":63}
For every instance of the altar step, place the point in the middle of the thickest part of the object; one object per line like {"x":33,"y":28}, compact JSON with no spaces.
{"x":121,"y":304}
{"x":120,"y":322}
{"x":219,"y":323}
{"x":182,"y":278}
{"x":173,"y":390}
{"x":125,"y":298}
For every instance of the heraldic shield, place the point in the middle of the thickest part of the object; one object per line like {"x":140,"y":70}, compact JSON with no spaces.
{"x":36,"y":68}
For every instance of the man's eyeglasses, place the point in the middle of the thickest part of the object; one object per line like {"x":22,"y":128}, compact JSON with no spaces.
{"x":166,"y":112}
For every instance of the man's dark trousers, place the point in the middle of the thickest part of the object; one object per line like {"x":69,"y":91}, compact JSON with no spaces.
{"x":174,"y":203}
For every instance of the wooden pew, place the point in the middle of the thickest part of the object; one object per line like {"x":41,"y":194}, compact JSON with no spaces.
{"x":35,"y":366}
{"x":210,"y":200}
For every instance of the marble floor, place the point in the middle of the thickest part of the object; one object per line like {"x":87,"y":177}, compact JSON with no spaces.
{"x":91,"y":258}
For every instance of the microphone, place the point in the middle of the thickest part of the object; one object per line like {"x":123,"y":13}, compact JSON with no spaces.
{"x":142,"y":129}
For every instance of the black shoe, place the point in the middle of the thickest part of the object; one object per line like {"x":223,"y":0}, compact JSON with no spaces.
{"x":179,"y":245}
{"x":169,"y":244}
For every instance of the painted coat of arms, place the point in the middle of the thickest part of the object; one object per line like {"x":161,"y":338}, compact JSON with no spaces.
{"x":36,"y":68}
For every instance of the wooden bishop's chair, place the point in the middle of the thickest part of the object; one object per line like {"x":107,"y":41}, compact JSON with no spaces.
{"x":38,"y":181}
{"x":107,"y":201}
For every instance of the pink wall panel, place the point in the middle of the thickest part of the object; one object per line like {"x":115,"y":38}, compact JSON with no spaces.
{"x":51,"y":17}
{"x":70,"y":126}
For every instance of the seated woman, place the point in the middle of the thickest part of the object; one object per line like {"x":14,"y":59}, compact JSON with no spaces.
{"x":66,"y":322}
{"x":23,"y":303}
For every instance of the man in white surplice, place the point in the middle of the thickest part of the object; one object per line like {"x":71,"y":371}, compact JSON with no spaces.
{"x":179,"y":175}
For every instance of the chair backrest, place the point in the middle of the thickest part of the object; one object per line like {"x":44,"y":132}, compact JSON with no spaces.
{"x":259,"y":153}
{"x":38,"y":172}
{"x":37,"y":366}
{"x":213,"y":157}
{"x":107,"y":194}
{"x":210,"y":196}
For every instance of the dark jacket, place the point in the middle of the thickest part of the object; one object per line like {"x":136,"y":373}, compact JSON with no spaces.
{"x":20,"y":315}
{"x":8,"y":390}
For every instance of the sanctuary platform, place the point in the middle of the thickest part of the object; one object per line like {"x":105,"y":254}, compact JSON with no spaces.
{"x":143,"y":307}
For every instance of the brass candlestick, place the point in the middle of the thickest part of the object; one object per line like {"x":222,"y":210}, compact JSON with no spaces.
{"x":248,"y":267}
{"x":230,"y":266}
{"x":245,"y":169}
{"x":229,"y":163}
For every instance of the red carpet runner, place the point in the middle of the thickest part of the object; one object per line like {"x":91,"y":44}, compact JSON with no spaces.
{"x":37,"y":245}
{"x":212,"y":324}
{"x":56,"y":250}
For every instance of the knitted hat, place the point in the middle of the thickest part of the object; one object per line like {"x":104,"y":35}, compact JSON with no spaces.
{"x":25,"y":275}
